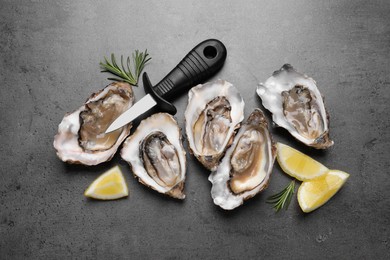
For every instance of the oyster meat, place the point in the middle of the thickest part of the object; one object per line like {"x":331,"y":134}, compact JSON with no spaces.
{"x":297,"y":105}
{"x":213,"y":114}
{"x":81,"y":138}
{"x":156,"y":155}
{"x":246,"y":167}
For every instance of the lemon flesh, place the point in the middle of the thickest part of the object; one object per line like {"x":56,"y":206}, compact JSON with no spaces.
{"x":315,"y":193}
{"x":297,"y":164}
{"x":108,"y":186}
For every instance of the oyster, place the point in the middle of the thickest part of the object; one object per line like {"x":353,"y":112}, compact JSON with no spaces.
{"x":297,"y":105}
{"x":81,"y":138}
{"x":246,"y":167}
{"x":156,"y":155}
{"x":213,"y":114}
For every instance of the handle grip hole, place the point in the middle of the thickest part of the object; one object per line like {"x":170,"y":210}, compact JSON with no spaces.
{"x":210,"y":52}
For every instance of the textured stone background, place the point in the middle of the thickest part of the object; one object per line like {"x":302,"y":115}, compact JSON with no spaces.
{"x":50,"y":52}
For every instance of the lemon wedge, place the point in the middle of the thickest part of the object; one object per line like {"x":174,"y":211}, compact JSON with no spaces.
{"x":315,"y":193}
{"x":297,"y":164}
{"x":108,"y":186}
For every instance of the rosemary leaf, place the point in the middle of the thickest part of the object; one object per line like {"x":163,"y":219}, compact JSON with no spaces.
{"x":283,"y":198}
{"x":114,"y":79}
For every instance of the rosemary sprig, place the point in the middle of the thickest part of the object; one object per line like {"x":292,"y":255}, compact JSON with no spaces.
{"x":125,"y":72}
{"x":283,"y":198}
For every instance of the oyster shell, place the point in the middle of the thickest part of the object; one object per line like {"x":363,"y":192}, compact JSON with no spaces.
{"x":81,"y":138}
{"x":297,"y":105}
{"x":156,"y":155}
{"x":213,"y":113}
{"x":246,"y":167}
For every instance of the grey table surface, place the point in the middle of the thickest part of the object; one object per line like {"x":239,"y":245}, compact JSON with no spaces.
{"x":50,"y":52}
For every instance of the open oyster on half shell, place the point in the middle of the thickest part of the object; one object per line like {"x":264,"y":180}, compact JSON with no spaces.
{"x":156,"y":155}
{"x":246,"y":167}
{"x":81,"y":135}
{"x":213,"y":114}
{"x":297,"y":105}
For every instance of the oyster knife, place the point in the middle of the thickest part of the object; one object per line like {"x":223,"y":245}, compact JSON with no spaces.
{"x":201,"y":63}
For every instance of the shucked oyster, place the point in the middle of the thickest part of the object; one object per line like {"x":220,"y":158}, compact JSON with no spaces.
{"x":213,"y":113}
{"x":81,"y":138}
{"x":156,"y":155}
{"x":296,"y":105}
{"x":246,"y":168}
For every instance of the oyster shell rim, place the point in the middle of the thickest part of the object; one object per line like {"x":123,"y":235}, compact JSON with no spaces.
{"x":190,"y":112}
{"x":68,"y":131}
{"x":321,"y":142}
{"x":222,"y":178}
{"x":128,"y":151}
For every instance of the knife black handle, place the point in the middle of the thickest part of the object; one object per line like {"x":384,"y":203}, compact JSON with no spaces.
{"x":202,"y":62}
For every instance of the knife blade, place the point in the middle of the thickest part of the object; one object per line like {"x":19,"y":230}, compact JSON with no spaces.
{"x":202,"y":62}
{"x":143,"y":105}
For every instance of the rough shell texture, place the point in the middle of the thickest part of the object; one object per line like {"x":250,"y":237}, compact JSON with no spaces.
{"x":199,"y":97}
{"x":67,"y":140}
{"x":132,"y":149}
{"x":297,"y":105}
{"x":222,"y":193}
